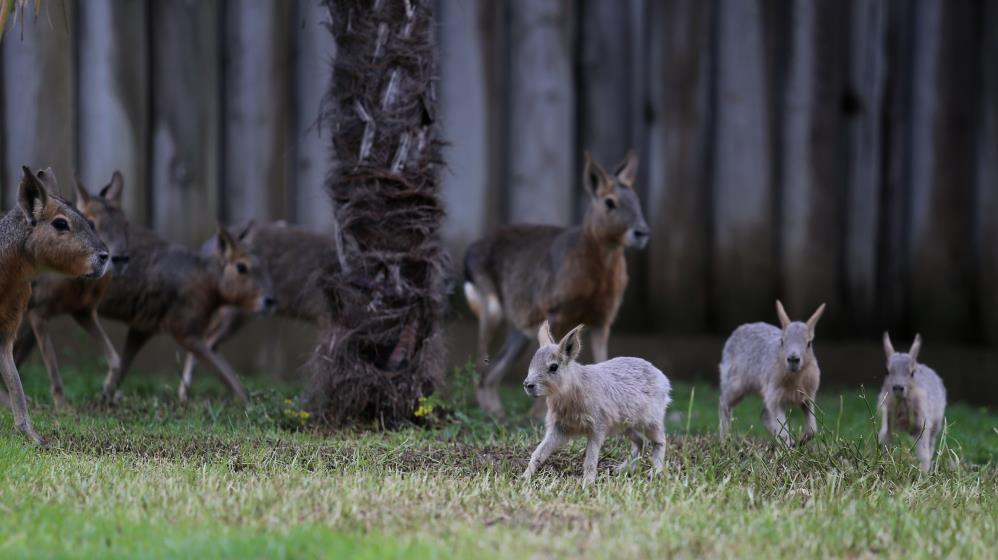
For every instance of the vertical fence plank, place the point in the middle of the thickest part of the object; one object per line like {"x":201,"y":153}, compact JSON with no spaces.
{"x":943,"y":168}
{"x":186,"y":58}
{"x":39,"y":110}
{"x":893,"y":287}
{"x":113,"y":98}
{"x":257,"y":107}
{"x":543,"y":178}
{"x":678,"y":202}
{"x":464,"y":116}
{"x":863,"y":104}
{"x":987,"y":179}
{"x":809,"y":227}
{"x":604,"y":93}
{"x":315,"y":49}
{"x":743,"y":204}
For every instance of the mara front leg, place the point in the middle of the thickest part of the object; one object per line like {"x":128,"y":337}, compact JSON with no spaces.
{"x":886,"y":431}
{"x":591,"y":463}
{"x":89,"y":322}
{"x":18,"y":402}
{"x":926,"y":448}
{"x":775,"y":419}
{"x":810,"y":421}
{"x":134,"y":341}
{"x":553,"y":439}
{"x":223,"y":323}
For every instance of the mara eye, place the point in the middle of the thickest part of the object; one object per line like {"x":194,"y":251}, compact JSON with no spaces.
{"x":241,"y":268}
{"x":610,"y":204}
{"x":93,"y":226}
{"x":552,"y":368}
{"x":60,"y":224}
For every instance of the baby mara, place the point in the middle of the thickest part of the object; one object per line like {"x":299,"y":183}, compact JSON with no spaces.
{"x":622,"y":395}
{"x":912,"y":400}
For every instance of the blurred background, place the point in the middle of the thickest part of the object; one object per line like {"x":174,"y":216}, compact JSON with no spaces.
{"x":841,"y":151}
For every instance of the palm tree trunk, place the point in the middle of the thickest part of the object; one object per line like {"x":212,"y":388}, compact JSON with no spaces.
{"x":387,"y":292}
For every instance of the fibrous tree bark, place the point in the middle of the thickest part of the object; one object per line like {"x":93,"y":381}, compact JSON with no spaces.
{"x":387,"y":290}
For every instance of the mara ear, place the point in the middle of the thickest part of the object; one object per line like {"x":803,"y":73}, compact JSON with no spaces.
{"x":226,"y":244}
{"x":571,"y":345}
{"x":813,"y":321}
{"x":627,"y":171}
{"x":112,"y":192}
{"x":916,"y":346}
{"x":31,"y":196}
{"x":247,"y":233}
{"x":82,"y":195}
{"x":47,"y":178}
{"x":598,"y":183}
{"x":544,"y":334}
{"x":782,"y":314}
{"x":888,"y":347}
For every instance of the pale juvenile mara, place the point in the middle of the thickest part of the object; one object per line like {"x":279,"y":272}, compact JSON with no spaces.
{"x":777,"y":364}
{"x":44,"y":233}
{"x":171,"y":289}
{"x":293,"y":255}
{"x":912,"y":400}
{"x":622,"y":395}
{"x":52,"y":296}
{"x":526,"y":274}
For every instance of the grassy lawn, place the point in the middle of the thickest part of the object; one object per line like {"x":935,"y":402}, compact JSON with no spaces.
{"x":152,"y":478}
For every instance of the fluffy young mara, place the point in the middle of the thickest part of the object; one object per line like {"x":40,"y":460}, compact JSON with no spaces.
{"x":776,"y":363}
{"x":912,"y":399}
{"x":622,"y":395}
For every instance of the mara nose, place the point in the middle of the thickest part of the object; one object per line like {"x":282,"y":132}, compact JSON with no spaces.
{"x":103,"y":256}
{"x":898,"y":389}
{"x":640,"y":233}
{"x":793,"y":360}
{"x":269,"y":302}
{"x":529,"y":386}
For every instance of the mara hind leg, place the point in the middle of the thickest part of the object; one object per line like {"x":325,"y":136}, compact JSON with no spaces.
{"x":656,"y":435}
{"x":488,"y":386}
{"x":730,"y":397}
{"x":39,"y":325}
{"x":484,"y":303}
{"x":24,"y":344}
{"x":599,"y":338}
{"x":637,"y":445}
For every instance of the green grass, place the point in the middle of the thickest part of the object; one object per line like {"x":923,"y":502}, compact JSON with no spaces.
{"x":152,"y":478}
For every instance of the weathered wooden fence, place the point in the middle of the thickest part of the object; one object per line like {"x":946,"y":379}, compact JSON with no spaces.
{"x":207,"y":107}
{"x":840,"y":151}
